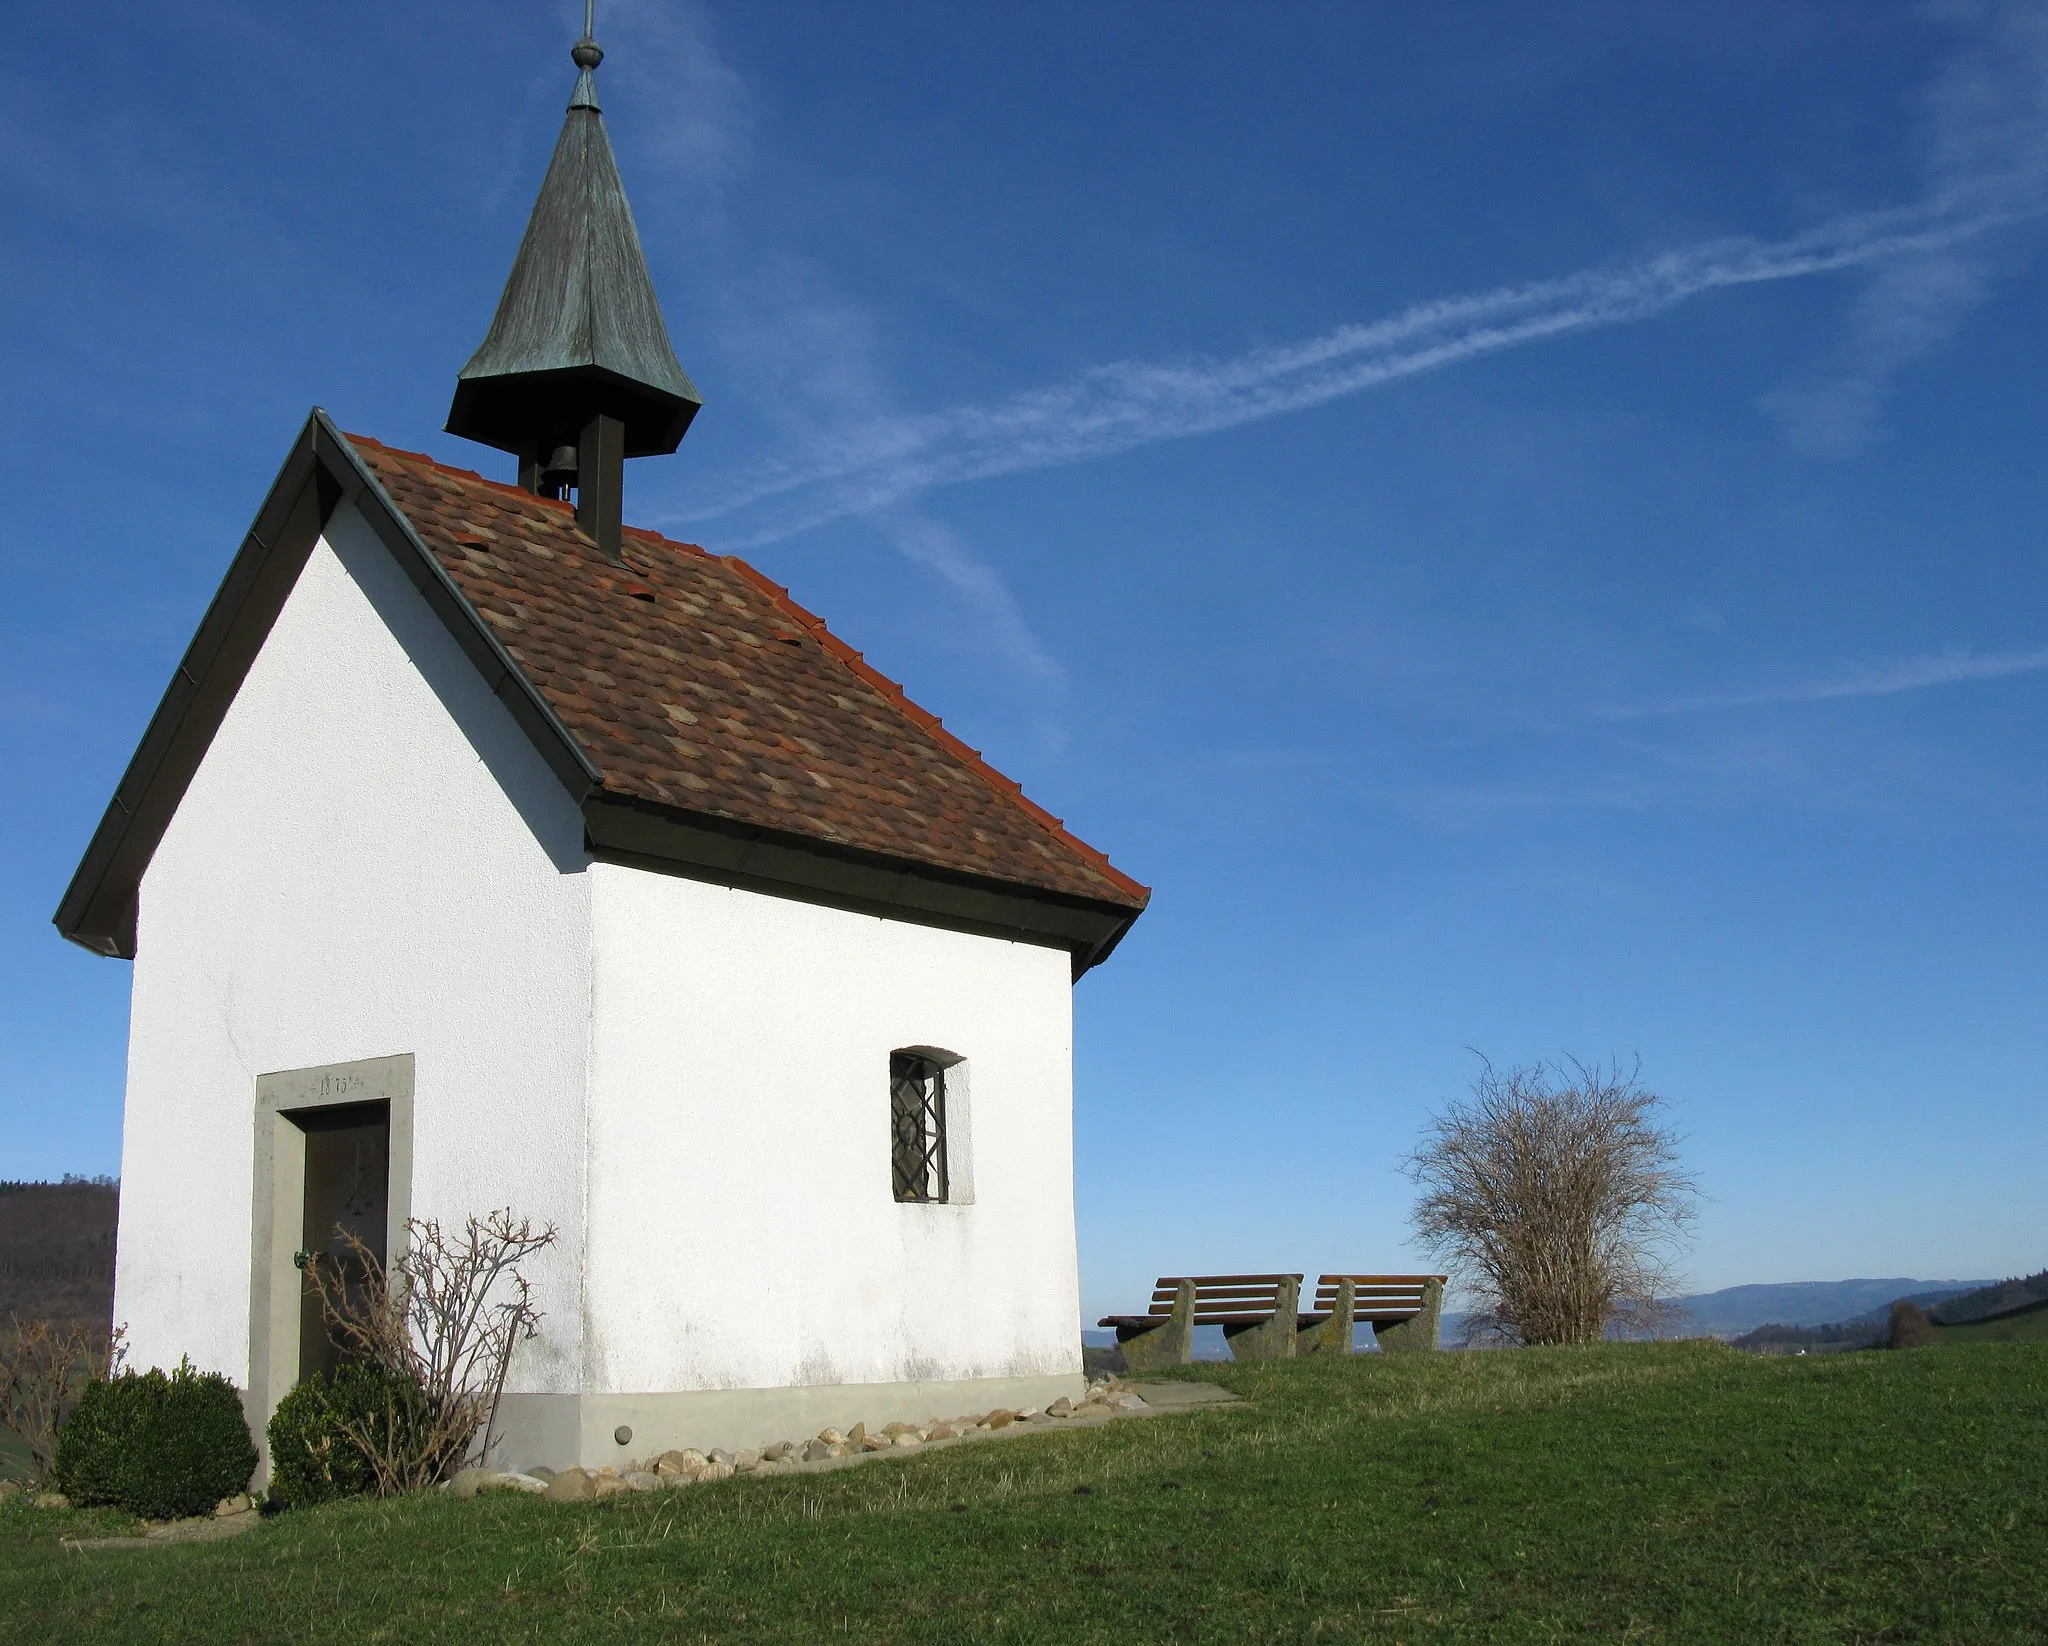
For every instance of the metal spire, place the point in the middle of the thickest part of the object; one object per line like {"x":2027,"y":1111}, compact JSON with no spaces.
{"x":577,"y":372}
{"x":586,"y":54}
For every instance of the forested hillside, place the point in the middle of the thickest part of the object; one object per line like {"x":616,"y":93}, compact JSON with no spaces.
{"x":57,"y":1250}
{"x":1997,"y":1299}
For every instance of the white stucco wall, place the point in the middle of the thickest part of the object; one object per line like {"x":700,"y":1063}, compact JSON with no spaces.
{"x":690,"y":1080}
{"x":742,"y":1228}
{"x":371,"y":860}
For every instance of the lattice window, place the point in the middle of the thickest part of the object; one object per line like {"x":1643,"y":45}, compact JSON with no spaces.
{"x":917,"y":1126}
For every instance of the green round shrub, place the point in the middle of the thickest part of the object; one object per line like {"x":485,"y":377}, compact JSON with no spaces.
{"x":313,"y":1458}
{"x":160,"y":1445}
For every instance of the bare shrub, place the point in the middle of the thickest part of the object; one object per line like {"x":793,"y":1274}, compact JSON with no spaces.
{"x":445,"y":1319}
{"x":1909,"y":1327}
{"x":44,"y":1368}
{"x":1553,"y":1194}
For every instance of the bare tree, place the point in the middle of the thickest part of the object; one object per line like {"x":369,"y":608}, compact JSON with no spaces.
{"x":445,"y":1319}
{"x":44,"y":1368}
{"x":1555,"y":1195}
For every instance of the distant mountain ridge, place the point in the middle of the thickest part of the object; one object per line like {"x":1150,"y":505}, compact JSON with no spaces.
{"x":1737,"y":1309}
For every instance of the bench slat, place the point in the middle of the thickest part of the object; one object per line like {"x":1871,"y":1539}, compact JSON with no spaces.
{"x":1373,"y":1290}
{"x":1381,"y":1280}
{"x":1166,"y":1283}
{"x":1209,"y":1294}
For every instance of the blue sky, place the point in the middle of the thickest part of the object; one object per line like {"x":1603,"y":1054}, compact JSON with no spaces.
{"x":1524,"y":525}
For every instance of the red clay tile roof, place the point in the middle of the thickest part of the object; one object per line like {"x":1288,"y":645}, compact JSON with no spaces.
{"x":690,"y":680}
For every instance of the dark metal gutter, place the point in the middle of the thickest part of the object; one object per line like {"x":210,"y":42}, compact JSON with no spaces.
{"x":702,"y":847}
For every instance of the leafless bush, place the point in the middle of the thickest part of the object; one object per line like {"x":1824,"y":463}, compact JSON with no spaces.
{"x":1554,"y":1195}
{"x":444,"y":1319}
{"x":43,"y":1370}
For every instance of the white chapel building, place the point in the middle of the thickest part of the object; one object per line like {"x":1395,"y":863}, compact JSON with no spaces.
{"x":486,"y":852}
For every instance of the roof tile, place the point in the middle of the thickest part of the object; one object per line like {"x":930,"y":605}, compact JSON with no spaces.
{"x":693,"y":681}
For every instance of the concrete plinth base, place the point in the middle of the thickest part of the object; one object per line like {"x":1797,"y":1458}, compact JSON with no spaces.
{"x":560,"y":1430}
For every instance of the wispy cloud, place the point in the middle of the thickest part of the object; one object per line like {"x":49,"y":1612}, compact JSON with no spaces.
{"x":1984,"y":138}
{"x":1952,"y":668}
{"x":783,"y":321}
{"x":1119,"y":407}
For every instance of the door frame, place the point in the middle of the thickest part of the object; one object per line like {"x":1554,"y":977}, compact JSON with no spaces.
{"x":280,"y":1208}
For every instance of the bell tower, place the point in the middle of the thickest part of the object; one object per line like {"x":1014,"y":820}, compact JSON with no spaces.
{"x":577,"y":373}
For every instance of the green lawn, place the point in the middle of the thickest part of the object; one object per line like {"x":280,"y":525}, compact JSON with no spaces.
{"x":1638,"y":1492}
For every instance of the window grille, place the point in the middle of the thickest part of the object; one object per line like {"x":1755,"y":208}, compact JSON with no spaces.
{"x":917,"y":1126}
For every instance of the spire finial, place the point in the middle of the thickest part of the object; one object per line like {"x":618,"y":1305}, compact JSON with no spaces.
{"x":586,"y":54}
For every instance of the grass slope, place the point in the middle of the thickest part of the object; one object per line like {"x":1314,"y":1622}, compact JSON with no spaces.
{"x":1674,"y":1492}
{"x":2025,"y":1325}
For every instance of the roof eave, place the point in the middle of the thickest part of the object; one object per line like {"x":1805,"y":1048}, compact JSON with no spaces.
{"x":702,"y":846}
{"x":98,"y":909}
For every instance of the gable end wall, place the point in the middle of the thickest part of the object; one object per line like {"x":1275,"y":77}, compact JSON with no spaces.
{"x":371,"y":860}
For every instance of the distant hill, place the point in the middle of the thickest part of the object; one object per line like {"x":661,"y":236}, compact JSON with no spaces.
{"x":1998,"y":1306}
{"x":1738,"y":1309}
{"x":2026,"y":1324}
{"x":57,"y":1251}
{"x":2002,"y":1297}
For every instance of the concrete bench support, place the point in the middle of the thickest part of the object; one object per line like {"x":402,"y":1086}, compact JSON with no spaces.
{"x":1272,"y":1339}
{"x":1419,"y":1331}
{"x":1170,"y":1342}
{"x":1332,"y":1335}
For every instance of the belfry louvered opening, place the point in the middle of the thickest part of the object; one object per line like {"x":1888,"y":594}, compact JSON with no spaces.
{"x":917,"y":1126}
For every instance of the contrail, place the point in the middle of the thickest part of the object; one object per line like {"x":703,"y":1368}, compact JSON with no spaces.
{"x":1912,"y":675}
{"x":1115,"y":408}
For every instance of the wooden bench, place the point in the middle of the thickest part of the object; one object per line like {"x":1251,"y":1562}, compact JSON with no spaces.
{"x":1404,"y":1312}
{"x":1258,"y":1314}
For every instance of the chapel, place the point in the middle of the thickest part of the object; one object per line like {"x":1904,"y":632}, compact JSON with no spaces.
{"x":485,"y":851}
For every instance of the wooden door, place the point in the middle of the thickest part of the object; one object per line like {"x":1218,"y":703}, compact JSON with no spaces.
{"x":348,"y":1187}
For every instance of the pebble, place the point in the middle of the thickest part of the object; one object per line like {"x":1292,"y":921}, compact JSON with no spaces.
{"x":572,"y":1486}
{"x":1103,"y":1397}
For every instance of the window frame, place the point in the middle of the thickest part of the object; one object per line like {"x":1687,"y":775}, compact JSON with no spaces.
{"x":919,"y":1146}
